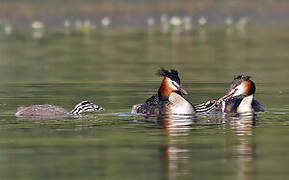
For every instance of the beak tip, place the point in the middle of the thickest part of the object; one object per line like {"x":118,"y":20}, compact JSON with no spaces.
{"x":183,"y":91}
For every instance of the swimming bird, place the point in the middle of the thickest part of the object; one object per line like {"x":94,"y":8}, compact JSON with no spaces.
{"x":48,"y":111}
{"x":230,"y":103}
{"x":241,"y":86}
{"x":169,"y":99}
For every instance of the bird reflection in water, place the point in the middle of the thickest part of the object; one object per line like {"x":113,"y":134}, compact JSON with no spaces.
{"x":176,"y":155}
{"x":243,"y":151}
{"x":176,"y":125}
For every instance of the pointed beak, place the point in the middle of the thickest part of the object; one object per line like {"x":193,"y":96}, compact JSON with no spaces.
{"x":229,"y":95}
{"x":182,"y":89}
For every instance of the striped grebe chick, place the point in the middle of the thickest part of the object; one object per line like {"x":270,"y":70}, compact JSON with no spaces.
{"x":47,"y":110}
{"x":169,"y":99}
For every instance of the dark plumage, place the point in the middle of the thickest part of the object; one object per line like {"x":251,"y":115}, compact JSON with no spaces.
{"x":152,"y":106}
{"x":238,"y":80}
{"x":233,"y":103}
{"x":173,"y":75}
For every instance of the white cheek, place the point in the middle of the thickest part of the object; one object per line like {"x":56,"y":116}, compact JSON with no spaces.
{"x":172,"y":86}
{"x":240,"y":91}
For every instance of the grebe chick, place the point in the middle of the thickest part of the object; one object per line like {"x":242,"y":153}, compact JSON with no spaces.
{"x":47,"y":110}
{"x":241,"y":86}
{"x":169,"y":99}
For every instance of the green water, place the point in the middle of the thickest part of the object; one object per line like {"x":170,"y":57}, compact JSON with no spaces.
{"x":116,"y":69}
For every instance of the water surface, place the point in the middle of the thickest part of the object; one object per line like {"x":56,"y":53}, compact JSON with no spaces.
{"x":116,"y":69}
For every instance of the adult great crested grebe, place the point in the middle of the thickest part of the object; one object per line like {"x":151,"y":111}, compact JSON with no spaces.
{"x":49,"y":111}
{"x":230,"y":103}
{"x":241,"y":85}
{"x":169,"y":99}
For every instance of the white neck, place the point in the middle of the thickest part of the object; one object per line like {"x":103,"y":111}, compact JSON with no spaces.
{"x":180,"y":105}
{"x":246,"y":105}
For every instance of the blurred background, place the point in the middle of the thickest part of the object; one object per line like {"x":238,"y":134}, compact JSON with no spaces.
{"x":65,"y":51}
{"x":110,"y":42}
{"x":58,"y":13}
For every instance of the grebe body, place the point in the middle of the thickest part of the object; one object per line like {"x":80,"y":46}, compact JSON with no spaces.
{"x":169,"y":99}
{"x":47,"y":110}
{"x":241,"y":86}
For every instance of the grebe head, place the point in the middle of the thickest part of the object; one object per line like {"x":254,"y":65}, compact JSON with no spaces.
{"x":171,"y":83}
{"x":86,"y":106}
{"x":241,"y":85}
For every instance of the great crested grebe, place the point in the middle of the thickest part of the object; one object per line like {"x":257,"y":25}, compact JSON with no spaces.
{"x":169,"y":99}
{"x":47,"y":110}
{"x":241,"y":85}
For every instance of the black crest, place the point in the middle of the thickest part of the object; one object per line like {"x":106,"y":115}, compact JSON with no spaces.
{"x":173,"y":74}
{"x":241,"y":78}
{"x":238,"y":80}
{"x":246,"y":78}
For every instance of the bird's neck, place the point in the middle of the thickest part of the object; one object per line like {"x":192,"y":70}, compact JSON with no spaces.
{"x":246,"y":104}
{"x":165,"y":91}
